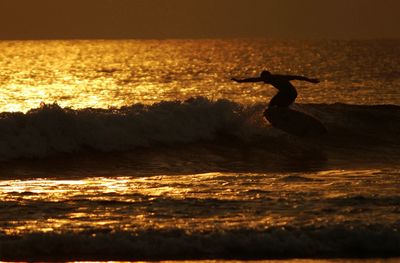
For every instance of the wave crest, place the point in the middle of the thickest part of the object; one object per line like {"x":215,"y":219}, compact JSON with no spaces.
{"x":52,"y":129}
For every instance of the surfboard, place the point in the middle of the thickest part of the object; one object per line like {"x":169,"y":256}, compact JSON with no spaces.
{"x":294,"y":122}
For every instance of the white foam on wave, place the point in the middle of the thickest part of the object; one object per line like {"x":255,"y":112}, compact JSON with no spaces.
{"x":52,"y":129}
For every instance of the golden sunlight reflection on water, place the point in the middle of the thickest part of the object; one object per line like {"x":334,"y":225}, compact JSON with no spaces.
{"x":196,"y":202}
{"x":102,"y":74}
{"x":100,"y":200}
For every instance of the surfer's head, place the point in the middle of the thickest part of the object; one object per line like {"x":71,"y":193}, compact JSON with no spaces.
{"x":265,"y":74}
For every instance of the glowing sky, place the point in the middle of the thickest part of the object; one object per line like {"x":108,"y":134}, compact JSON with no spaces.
{"x":27,"y":19}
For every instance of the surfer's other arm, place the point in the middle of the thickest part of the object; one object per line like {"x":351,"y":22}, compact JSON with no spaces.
{"x":290,"y":77}
{"x":247,"y":80}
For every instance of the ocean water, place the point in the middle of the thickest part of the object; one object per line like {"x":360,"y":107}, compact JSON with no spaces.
{"x":146,"y":150}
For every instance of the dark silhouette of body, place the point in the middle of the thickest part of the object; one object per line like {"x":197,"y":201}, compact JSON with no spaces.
{"x":287,"y":93}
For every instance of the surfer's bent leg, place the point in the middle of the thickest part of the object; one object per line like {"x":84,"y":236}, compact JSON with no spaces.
{"x":282,"y":100}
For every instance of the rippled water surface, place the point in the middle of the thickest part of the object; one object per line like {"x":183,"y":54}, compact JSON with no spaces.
{"x":114,"y":73}
{"x":200,"y":202}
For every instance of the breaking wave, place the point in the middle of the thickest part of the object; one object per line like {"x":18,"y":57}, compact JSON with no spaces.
{"x":52,"y":130}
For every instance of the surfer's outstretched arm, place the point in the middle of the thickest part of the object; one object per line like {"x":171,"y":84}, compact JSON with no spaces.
{"x":289,"y":77}
{"x":247,"y":80}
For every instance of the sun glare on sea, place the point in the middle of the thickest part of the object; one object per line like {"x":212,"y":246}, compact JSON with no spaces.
{"x":93,"y":190}
{"x":96,"y":202}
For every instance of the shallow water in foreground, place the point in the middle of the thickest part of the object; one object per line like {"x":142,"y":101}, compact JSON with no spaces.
{"x":330,"y":213}
{"x":216,"y":202}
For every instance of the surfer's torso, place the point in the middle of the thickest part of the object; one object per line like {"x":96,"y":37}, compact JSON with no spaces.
{"x":283,"y":85}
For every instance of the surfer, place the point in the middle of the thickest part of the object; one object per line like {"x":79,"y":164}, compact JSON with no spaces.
{"x":287,"y":93}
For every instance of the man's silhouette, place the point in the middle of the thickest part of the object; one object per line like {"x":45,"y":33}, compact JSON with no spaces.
{"x":287,"y":92}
